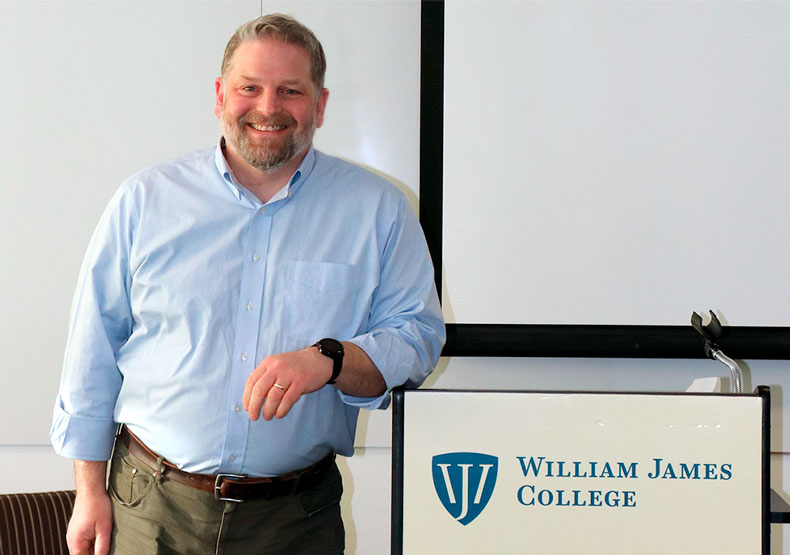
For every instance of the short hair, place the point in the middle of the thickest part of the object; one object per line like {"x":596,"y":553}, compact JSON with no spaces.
{"x":285,"y":29}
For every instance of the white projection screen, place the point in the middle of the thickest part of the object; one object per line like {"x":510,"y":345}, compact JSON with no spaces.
{"x":616,"y":163}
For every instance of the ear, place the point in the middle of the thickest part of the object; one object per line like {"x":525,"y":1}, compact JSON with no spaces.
{"x":219,"y":90}
{"x":320,"y":106}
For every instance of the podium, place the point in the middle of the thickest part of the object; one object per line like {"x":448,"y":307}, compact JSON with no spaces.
{"x":511,"y":472}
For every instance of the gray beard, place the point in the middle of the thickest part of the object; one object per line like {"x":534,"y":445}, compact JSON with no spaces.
{"x":266,"y":156}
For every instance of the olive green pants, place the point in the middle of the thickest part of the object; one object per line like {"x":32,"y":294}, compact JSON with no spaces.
{"x":153,"y":516}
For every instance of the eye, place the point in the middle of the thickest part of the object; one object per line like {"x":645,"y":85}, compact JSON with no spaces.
{"x":291,"y":92}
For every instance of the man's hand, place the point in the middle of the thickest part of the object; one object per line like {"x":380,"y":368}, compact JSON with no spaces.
{"x":301,"y":372}
{"x":278,"y":382}
{"x":90,"y":526}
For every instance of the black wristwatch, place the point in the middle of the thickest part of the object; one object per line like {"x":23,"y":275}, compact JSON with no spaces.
{"x":333,"y":349}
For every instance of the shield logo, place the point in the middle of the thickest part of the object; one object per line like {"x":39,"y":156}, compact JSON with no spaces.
{"x":464,"y":483}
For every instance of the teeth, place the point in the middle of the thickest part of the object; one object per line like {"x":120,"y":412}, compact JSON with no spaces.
{"x":267,"y":127}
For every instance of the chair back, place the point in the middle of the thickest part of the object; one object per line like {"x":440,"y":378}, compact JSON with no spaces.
{"x":35,"y":523}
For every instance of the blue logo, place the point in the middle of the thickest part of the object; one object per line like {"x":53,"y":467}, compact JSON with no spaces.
{"x":464,"y":483}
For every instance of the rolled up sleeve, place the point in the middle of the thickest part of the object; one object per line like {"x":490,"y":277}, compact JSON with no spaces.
{"x":100,"y":323}
{"x":406,"y":331}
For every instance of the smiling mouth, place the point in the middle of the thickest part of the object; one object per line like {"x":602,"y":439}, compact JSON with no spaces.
{"x":266,"y":127}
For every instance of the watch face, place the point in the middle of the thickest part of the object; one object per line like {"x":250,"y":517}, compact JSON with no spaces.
{"x":331,"y":347}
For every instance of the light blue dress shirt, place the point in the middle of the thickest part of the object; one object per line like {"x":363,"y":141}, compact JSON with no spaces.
{"x":189,"y":282}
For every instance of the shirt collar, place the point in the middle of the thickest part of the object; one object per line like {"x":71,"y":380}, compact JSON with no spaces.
{"x":302,"y":172}
{"x":224,"y":170}
{"x":299,"y":176}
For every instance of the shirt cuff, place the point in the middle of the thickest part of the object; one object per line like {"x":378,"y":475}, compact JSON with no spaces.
{"x":81,"y":437}
{"x":393,"y":358}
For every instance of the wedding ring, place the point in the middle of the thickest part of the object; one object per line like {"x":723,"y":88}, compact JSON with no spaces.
{"x":280,"y":387}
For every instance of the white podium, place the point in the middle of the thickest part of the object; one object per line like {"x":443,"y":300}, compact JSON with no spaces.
{"x":572,"y":472}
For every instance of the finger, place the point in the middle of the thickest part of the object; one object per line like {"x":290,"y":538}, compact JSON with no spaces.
{"x":255,"y":404}
{"x":258,"y":385}
{"x":273,"y":398}
{"x":288,"y":400}
{"x":78,"y":547}
{"x":102,"y":546}
{"x":252,"y":379}
{"x":258,"y":396}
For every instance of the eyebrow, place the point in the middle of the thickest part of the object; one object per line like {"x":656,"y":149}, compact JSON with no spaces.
{"x":284,"y":82}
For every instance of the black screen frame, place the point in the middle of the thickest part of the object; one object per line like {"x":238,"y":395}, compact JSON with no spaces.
{"x":538,"y":340}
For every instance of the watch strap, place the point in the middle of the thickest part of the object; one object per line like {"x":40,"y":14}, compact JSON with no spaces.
{"x":333,"y":349}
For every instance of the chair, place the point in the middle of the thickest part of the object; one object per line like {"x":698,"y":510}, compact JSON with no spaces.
{"x":35,"y":523}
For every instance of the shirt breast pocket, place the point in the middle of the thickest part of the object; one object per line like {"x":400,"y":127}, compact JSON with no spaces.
{"x":322,"y":299}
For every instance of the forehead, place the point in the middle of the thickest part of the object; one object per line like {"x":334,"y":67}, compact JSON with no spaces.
{"x":270,"y":57}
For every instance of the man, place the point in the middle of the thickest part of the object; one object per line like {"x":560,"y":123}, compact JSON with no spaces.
{"x":235,"y":309}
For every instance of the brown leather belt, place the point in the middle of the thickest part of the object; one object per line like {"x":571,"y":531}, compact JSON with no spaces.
{"x":230,"y":487}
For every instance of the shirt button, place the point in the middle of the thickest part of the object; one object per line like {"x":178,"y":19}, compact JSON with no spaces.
{"x":232,"y":458}
{"x":263,"y":210}
{"x":237,"y":408}
{"x":255,"y":257}
{"x":244,"y":356}
{"x":250,"y":306}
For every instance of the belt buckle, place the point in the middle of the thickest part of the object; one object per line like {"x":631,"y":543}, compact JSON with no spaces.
{"x":218,"y":486}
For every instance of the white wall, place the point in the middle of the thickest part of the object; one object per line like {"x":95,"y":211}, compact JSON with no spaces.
{"x":97,"y":90}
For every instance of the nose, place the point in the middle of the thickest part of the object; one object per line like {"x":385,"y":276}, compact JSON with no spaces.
{"x":269,"y":102}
